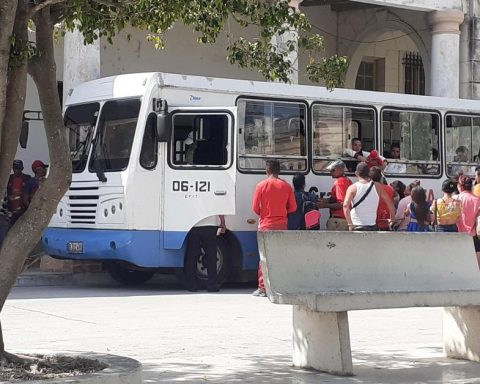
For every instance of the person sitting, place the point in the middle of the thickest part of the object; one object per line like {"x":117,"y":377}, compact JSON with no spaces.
{"x":395,"y":167}
{"x":359,"y":155}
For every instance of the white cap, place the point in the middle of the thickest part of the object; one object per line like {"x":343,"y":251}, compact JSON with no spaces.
{"x":335,"y":164}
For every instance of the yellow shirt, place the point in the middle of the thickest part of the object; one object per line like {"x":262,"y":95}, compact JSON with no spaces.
{"x":447,"y":213}
{"x":476,"y":190}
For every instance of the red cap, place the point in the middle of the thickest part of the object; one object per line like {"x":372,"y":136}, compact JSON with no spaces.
{"x":374,"y":154}
{"x":38,"y":164}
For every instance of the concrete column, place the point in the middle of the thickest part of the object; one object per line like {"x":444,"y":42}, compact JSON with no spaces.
{"x":445,"y":70}
{"x":282,"y":43}
{"x":81,"y":62}
{"x":321,"y":340}
{"x":461,"y":332}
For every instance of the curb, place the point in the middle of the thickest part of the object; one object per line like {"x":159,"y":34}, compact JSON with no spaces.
{"x":120,"y":369}
{"x":41,"y":279}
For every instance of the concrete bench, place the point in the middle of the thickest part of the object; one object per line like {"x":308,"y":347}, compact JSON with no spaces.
{"x":325,"y":274}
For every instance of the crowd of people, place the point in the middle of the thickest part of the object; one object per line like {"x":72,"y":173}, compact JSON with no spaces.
{"x":369,"y":204}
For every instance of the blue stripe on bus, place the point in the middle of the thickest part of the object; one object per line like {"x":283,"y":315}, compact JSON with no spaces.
{"x":142,"y":248}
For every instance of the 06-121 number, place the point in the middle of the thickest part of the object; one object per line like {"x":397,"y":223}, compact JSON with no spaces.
{"x":194,"y":186}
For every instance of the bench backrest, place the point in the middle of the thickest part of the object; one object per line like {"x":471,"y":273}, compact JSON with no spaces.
{"x":329,"y":264}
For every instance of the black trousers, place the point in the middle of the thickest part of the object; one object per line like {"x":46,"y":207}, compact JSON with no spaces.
{"x":206,"y":238}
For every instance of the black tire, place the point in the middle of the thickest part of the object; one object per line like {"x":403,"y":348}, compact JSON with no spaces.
{"x":121,"y":273}
{"x":224,"y":264}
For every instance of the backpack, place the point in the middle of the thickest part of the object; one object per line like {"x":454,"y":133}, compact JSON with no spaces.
{"x":311,"y":215}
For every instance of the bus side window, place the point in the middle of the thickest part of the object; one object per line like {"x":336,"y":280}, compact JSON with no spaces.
{"x":462,"y":144}
{"x":149,"y":152}
{"x":411,"y":142}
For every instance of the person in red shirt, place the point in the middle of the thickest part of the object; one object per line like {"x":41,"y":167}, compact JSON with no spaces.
{"x":383,"y":214}
{"x":337,"y":221}
{"x":273,"y":200}
{"x":16,"y":184}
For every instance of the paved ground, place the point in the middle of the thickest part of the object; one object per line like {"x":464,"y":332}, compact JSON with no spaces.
{"x":229,"y":337}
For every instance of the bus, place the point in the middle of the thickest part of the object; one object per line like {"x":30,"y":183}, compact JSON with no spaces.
{"x":155,"y":153}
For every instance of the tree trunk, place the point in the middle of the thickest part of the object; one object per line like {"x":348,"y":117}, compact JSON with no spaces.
{"x":7,"y":19}
{"x":23,"y":236}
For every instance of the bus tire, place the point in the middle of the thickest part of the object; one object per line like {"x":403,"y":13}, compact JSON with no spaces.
{"x":122,"y":274}
{"x":224,"y":264}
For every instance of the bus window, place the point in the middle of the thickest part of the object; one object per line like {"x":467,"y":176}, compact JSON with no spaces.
{"x":272,"y":129}
{"x":149,"y":152}
{"x":334,"y":127}
{"x":411,"y":142}
{"x":115,"y":133}
{"x":200,"y":140}
{"x":80,"y":121}
{"x":462,"y":144}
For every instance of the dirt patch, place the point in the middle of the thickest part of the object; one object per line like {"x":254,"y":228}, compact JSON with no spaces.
{"x":42,"y":367}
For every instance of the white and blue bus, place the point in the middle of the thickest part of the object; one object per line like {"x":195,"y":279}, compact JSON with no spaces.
{"x":155,"y":153}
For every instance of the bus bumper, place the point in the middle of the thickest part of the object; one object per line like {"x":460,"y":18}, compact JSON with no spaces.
{"x":141,"y":248}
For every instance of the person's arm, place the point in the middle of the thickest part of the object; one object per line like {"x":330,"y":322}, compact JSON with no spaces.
{"x":291,"y":203}
{"x":386,"y":199}
{"x":26,"y":194}
{"x":347,"y":205}
{"x":256,"y":201}
{"x":223,"y":227}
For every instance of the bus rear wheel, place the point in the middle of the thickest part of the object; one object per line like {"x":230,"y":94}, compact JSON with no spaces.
{"x":200,"y":273}
{"x":123,"y":274}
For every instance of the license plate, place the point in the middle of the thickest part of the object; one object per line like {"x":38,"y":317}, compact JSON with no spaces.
{"x":75,"y":247}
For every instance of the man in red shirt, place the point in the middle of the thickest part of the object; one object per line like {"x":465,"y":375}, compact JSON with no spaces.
{"x":273,"y":201}
{"x":16,"y":184}
{"x":337,"y":221}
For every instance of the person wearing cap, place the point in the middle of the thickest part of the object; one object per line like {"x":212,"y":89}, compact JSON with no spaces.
{"x":337,"y":221}
{"x":15,"y":186}
{"x":39,"y":169}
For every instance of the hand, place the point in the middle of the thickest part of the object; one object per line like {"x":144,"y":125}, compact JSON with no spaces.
{"x":351,"y":227}
{"x":223,"y":228}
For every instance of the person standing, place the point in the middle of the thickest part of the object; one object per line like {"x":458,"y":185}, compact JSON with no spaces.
{"x":447,"y":210}
{"x":296,"y":220}
{"x":273,"y":200}
{"x":204,"y":235}
{"x":337,"y":221}
{"x":16,"y":184}
{"x":382,"y":210}
{"x":361,"y":203}
{"x":39,"y":169}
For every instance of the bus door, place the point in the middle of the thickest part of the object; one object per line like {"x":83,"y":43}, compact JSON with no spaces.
{"x":201,"y":171}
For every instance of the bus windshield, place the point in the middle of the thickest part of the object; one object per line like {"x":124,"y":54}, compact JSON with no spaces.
{"x":80,"y":121}
{"x":116,"y":130}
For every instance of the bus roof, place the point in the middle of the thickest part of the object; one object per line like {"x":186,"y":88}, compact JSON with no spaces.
{"x":131,"y":85}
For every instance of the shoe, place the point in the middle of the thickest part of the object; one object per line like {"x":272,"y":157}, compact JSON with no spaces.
{"x":259,"y":292}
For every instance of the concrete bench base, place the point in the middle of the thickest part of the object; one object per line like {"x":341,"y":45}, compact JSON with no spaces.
{"x":461,"y":332}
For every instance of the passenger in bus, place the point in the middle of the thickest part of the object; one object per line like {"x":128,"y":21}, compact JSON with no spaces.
{"x":359,"y":155}
{"x":394,"y":167}
{"x":337,"y":221}
{"x":447,"y":209}
{"x":190,"y":145}
{"x":306,"y":201}
{"x":361,"y":202}
{"x":204,"y":235}
{"x":39,"y":169}
{"x":15,"y":190}
{"x":467,"y":222}
{"x":419,"y":211}
{"x":273,"y":200}
{"x":462,"y":155}
{"x":383,"y":216}
{"x":430,"y":169}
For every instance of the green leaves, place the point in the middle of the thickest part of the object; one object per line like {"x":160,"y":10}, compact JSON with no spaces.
{"x":272,"y":20}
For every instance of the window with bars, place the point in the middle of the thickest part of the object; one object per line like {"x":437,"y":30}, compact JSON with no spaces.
{"x":414,"y":74}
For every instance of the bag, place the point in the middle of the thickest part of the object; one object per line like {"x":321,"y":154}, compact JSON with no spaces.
{"x":372,"y":183}
{"x":311,"y":215}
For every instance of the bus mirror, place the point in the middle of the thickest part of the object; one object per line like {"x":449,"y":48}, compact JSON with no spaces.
{"x":164,"y":127}
{"x":24,"y":134}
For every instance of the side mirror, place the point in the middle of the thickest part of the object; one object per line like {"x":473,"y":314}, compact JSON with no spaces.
{"x":24,"y":134}
{"x":164,"y":127}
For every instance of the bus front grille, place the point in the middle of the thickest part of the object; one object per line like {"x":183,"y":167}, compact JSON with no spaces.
{"x":82,"y":205}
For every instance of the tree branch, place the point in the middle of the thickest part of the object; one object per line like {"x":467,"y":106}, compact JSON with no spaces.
{"x":33,"y":10}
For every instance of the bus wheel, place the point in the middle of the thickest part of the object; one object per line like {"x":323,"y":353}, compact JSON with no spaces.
{"x":121,"y":273}
{"x":201,"y":275}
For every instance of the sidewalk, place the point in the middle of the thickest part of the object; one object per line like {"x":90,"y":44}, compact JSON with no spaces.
{"x":229,"y":337}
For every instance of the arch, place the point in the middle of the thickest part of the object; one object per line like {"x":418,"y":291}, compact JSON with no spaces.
{"x":376,"y":27}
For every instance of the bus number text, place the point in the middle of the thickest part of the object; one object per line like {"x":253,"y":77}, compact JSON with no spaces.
{"x":191,"y":186}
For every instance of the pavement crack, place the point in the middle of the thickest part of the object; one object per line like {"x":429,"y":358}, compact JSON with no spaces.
{"x":50,"y":314}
